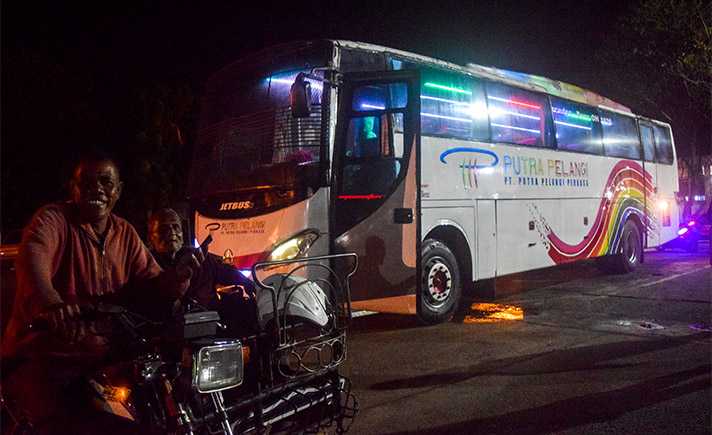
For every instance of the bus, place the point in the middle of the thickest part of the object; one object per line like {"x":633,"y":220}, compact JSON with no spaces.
{"x":440,"y":177}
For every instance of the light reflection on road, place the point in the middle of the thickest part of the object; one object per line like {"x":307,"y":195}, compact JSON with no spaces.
{"x":486,"y":313}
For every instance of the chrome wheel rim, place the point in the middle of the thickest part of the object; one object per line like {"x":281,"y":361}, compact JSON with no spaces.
{"x":438,"y":281}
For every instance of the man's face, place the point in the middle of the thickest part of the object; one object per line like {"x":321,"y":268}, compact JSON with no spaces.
{"x":166,"y":233}
{"x":95,"y":190}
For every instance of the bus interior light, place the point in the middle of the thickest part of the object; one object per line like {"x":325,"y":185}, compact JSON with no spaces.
{"x":517,"y":128}
{"x":499,"y":112}
{"x":451,"y":118}
{"x":448,"y":88}
{"x":583,"y":127}
{"x":516,"y":103}
{"x":445,"y":100}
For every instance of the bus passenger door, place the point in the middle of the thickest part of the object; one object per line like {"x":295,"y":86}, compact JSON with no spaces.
{"x":652,"y":213}
{"x":376,"y":187}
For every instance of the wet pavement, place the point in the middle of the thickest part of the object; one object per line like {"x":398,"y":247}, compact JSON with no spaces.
{"x":574,"y":351}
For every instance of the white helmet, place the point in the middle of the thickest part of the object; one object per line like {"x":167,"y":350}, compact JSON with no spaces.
{"x":301,"y":297}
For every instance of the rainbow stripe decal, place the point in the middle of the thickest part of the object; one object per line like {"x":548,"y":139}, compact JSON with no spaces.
{"x":624,"y":198}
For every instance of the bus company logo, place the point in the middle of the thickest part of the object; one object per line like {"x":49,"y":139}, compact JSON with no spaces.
{"x":469,"y":164}
{"x":244,"y":227}
{"x":533,"y":171}
{"x":240,"y":205}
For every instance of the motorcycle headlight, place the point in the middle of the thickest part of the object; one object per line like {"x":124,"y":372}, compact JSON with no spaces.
{"x":218,"y":367}
{"x":296,"y":247}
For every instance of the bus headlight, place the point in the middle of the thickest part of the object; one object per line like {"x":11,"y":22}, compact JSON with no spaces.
{"x":218,"y":367}
{"x":296,"y":247}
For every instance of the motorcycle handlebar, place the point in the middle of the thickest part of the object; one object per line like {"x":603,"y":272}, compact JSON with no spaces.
{"x":98,"y":312}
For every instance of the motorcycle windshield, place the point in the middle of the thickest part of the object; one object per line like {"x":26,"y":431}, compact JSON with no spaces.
{"x":248,"y":137}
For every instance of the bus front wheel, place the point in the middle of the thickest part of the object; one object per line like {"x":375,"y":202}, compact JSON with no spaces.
{"x":440,"y":283}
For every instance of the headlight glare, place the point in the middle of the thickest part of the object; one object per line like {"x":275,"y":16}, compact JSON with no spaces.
{"x":218,"y":367}
{"x":296,"y":247}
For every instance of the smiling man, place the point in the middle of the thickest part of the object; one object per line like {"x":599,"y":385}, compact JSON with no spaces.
{"x":73,"y":255}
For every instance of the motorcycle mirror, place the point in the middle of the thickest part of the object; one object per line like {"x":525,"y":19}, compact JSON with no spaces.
{"x":300,"y":97}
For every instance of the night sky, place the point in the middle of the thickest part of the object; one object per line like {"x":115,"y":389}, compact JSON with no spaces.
{"x":190,"y":39}
{"x":99,"y":51}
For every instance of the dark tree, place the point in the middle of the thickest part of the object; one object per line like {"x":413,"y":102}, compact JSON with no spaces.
{"x":660,"y":62}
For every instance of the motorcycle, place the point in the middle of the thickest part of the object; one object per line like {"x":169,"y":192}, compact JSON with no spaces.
{"x":200,"y":374}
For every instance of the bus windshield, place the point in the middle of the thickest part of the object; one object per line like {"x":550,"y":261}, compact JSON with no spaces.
{"x":247,"y":136}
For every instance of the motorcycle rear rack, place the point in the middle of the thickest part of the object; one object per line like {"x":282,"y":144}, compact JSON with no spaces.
{"x":310,"y":355}
{"x":332,"y":273}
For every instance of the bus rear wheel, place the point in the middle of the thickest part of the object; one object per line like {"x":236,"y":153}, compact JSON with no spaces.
{"x":630,"y":250}
{"x":440,"y":283}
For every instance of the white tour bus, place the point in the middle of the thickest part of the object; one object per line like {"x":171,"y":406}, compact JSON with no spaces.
{"x":438,"y":176}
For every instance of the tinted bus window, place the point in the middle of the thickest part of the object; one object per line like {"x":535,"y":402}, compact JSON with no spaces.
{"x":620,"y":135}
{"x":371,"y":162}
{"x":516,"y":116}
{"x":646,"y":135}
{"x":577,"y":127}
{"x":452,"y":105}
{"x":380,"y":97}
{"x":663,"y":144}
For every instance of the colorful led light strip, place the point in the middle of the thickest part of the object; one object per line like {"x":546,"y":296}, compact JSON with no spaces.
{"x":516,"y":128}
{"x":452,"y":118}
{"x":518,"y":103}
{"x":315,"y":85}
{"x":443,"y":100}
{"x":572,"y":125}
{"x":448,"y":88}
{"x":536,"y":118}
{"x":369,"y":196}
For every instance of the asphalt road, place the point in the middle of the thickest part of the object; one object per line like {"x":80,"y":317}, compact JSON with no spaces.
{"x":592,"y":354}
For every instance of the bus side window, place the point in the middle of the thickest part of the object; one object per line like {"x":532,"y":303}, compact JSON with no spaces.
{"x":577,"y":127}
{"x":452,"y":106}
{"x":646,"y":134}
{"x":517,"y":116}
{"x":620,"y":135}
{"x":663,"y":144}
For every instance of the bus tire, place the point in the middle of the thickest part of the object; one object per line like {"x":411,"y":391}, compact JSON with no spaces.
{"x":630,"y":249}
{"x":440,"y":283}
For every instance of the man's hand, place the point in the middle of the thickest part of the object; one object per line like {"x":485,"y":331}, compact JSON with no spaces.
{"x":188,"y":261}
{"x":64,"y":322}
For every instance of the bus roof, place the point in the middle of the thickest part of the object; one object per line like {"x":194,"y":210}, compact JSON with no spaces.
{"x":531,"y":81}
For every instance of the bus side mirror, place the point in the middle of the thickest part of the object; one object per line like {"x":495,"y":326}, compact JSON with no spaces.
{"x":300,"y":98}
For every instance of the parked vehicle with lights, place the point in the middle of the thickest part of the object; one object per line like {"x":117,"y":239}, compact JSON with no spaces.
{"x":694,"y":231}
{"x":439,"y":176}
{"x":193,"y":376}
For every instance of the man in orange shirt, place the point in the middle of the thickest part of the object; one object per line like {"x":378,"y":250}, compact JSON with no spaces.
{"x":72,"y":256}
